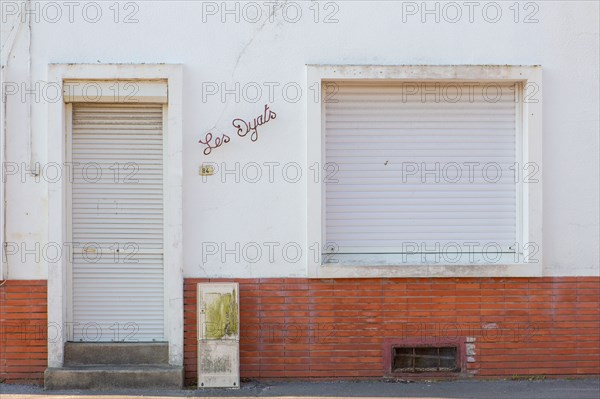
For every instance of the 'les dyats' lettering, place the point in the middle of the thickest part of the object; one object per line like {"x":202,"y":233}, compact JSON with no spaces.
{"x":243,"y":127}
{"x":219,"y":141}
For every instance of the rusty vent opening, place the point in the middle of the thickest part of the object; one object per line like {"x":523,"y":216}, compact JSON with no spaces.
{"x":416,"y":359}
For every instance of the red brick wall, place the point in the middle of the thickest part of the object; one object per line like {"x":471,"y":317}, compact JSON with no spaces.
{"x":23,"y":331}
{"x":337,"y":328}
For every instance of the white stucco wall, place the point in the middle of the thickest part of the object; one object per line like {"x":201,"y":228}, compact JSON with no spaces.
{"x":564,"y":41}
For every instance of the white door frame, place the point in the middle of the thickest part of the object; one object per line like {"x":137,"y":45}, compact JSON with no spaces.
{"x":59,"y":212}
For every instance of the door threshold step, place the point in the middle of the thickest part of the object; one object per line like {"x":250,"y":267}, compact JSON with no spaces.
{"x":104,"y":376}
{"x":113,"y":353}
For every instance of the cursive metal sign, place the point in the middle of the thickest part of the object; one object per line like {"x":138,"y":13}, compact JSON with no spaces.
{"x":243,"y":129}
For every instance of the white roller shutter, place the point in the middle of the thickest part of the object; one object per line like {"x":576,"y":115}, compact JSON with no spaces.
{"x":117,"y":222}
{"x":383,"y":138}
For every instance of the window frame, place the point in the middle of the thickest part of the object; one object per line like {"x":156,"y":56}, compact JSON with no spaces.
{"x":526,"y":262}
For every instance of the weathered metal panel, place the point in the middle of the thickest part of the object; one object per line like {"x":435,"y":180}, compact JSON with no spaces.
{"x":218,"y":364}
{"x":218,"y":307}
{"x":218,"y":335}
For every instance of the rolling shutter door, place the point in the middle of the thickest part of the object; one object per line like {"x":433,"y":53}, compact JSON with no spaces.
{"x":419,"y":163}
{"x":117,"y":222}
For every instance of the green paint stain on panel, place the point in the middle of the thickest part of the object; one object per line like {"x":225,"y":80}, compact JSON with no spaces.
{"x":222,"y":316}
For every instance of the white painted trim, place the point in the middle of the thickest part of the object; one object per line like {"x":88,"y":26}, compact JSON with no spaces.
{"x":69,"y":214}
{"x":57,"y":197}
{"x":416,"y":266}
{"x":122,"y":91}
{"x":165,"y":116}
{"x":519,"y":159}
{"x":3,"y":102}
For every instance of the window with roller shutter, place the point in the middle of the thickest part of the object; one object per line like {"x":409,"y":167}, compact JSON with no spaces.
{"x":422,"y":167}
{"x":424,"y":170}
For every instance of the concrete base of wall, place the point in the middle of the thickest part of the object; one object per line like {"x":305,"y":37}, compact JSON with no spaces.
{"x":115,"y":376}
{"x":115,"y":365}
{"x":82,"y":353}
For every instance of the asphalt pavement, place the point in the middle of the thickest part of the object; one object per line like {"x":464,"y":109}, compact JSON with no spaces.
{"x":472,"y":389}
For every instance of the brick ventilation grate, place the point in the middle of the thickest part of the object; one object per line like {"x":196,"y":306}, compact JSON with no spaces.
{"x":425,"y":359}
